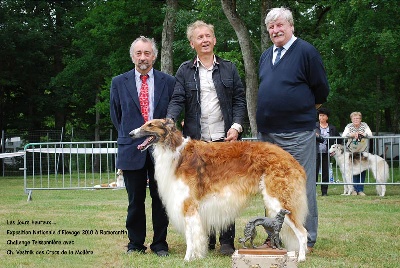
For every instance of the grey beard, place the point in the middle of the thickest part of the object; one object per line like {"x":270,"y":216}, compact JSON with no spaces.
{"x":143,"y":66}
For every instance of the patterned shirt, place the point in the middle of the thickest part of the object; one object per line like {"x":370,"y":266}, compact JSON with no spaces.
{"x":355,"y":145}
{"x":325,"y":134}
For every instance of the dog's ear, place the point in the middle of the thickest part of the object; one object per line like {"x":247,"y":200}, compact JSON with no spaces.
{"x":169,"y":123}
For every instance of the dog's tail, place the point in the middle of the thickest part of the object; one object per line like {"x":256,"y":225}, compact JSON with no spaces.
{"x":250,"y":228}
{"x":293,"y":232}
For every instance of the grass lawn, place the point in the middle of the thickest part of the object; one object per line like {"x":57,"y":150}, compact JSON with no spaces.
{"x":354,"y":231}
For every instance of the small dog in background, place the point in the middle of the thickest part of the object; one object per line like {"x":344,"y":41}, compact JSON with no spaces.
{"x":120,"y":178}
{"x":115,"y":184}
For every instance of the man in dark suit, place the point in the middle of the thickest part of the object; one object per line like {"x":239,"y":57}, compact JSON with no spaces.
{"x":128,"y":113}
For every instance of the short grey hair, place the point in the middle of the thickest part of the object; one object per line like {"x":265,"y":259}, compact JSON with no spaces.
{"x":278,"y":12}
{"x":195,"y":25}
{"x":353,"y":114}
{"x":145,"y":40}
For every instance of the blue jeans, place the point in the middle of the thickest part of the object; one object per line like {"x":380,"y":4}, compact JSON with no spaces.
{"x":360,"y":178}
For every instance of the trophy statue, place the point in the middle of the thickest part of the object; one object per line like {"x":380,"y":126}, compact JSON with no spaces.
{"x":271,"y":225}
{"x":273,"y":254}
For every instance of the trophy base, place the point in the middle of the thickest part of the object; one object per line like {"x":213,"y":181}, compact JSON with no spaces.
{"x":264,"y":258}
{"x":263,"y":251}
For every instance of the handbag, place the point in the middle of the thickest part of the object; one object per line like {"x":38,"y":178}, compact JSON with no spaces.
{"x":357,"y":145}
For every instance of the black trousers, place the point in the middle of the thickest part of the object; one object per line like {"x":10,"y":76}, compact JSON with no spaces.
{"x":323,"y":161}
{"x":225,"y":237}
{"x":135,"y":183}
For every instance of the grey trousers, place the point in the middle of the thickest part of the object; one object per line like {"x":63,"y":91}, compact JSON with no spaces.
{"x":302,"y":146}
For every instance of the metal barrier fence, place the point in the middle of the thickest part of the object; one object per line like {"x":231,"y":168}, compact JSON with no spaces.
{"x":386,"y":147}
{"x":69,"y":166}
{"x":91,"y":165}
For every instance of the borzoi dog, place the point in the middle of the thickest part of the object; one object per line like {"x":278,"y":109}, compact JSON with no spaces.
{"x":204,"y":185}
{"x":353,"y":164}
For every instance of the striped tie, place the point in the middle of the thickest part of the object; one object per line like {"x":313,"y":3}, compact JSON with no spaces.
{"x":278,"y":56}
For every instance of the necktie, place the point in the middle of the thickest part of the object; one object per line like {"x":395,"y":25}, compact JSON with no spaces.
{"x":278,"y":56}
{"x":144,"y":97}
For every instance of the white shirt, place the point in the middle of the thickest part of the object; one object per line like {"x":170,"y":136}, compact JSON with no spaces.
{"x":211,"y":120}
{"x":285,"y":48}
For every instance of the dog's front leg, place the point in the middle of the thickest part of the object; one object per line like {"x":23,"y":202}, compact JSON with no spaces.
{"x":196,"y":238}
{"x":346,"y":190}
{"x":350,"y":187}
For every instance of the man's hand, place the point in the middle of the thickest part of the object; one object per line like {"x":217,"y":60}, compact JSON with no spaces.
{"x":232,"y":135}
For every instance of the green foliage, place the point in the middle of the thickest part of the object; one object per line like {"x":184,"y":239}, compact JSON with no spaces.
{"x":359,"y":67}
{"x":58,"y":57}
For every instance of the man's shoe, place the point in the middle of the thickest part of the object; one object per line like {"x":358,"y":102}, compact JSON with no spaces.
{"x":211,"y":246}
{"x":162,"y":253}
{"x":131,"y":250}
{"x":324,"y":194}
{"x":309,"y":250}
{"x":226,"y":249}
{"x":353,"y":193}
{"x":361,"y":193}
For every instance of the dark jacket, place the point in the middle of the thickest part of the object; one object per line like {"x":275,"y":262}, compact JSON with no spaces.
{"x":289,"y":90}
{"x":126,"y":115}
{"x":230,"y":92}
{"x":332,"y":133}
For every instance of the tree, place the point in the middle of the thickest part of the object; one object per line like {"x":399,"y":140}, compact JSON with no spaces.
{"x":360,"y":44}
{"x":168,"y":37}
{"x":100,"y":52}
{"x":266,"y":5}
{"x":36,"y":34}
{"x":58,"y":57}
{"x":229,"y":8}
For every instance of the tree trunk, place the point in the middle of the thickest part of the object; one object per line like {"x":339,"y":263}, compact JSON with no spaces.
{"x":168,"y":37}
{"x":266,"y":5}
{"x":229,"y":8}
{"x":378,"y":112}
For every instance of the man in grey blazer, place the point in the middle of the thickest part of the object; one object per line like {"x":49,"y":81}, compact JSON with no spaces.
{"x":137,"y":166}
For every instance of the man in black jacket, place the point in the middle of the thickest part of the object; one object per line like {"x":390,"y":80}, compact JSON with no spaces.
{"x":211,"y":93}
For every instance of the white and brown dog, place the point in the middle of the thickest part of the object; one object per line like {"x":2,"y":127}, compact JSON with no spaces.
{"x":205,"y":185}
{"x":115,"y":184}
{"x":353,"y":164}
